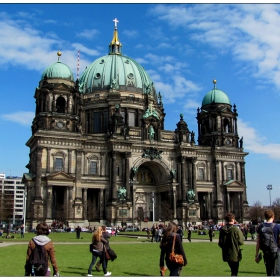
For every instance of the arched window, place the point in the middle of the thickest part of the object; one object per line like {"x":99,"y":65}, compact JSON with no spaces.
{"x":60,"y":105}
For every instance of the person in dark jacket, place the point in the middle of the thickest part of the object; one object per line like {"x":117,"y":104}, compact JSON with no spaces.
{"x":230,"y":239}
{"x":210,"y":233}
{"x":166,"y":248}
{"x":189,"y":234}
{"x":78,"y":232}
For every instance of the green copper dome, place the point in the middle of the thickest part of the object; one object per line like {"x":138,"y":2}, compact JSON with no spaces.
{"x":215,"y":95}
{"x":58,"y":70}
{"x":126,"y":72}
{"x":115,"y":71}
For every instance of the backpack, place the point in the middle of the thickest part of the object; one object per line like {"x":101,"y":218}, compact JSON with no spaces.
{"x":38,"y":261}
{"x":267,"y":242}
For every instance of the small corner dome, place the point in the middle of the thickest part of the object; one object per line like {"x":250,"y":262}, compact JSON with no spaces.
{"x":58,"y":70}
{"x":215,"y":96}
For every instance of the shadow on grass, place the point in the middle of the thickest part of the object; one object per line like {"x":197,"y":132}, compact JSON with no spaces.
{"x":136,"y":274}
{"x":251,"y":272}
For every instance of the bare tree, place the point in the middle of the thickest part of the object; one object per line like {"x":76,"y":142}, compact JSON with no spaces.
{"x":276,"y":208}
{"x":276,"y":201}
{"x":6,"y":207}
{"x":256,"y":212}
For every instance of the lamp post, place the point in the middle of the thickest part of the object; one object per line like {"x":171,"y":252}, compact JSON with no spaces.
{"x":153,"y":201}
{"x":131,"y":187}
{"x":122,"y":198}
{"x":269,"y":187}
{"x":24,"y":208}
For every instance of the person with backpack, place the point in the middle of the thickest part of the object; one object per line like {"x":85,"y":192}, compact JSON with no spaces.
{"x":40,"y":254}
{"x":268,"y":241}
{"x":230,"y":239}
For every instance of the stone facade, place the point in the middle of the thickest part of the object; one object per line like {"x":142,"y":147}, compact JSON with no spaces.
{"x":86,"y":146}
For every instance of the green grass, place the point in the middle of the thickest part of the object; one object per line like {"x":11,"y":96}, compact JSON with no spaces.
{"x":138,"y":257}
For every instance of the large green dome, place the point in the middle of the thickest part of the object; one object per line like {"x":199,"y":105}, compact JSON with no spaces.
{"x":215,"y":96}
{"x":115,"y":70}
{"x":126,"y":71}
{"x":58,"y":70}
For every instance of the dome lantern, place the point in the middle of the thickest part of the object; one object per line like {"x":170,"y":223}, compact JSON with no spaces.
{"x":115,"y":47}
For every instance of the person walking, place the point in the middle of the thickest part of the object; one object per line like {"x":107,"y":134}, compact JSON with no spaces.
{"x":78,"y":232}
{"x":189,"y":234}
{"x":106,"y":236}
{"x":210,"y":233}
{"x":166,"y":248}
{"x":180,"y":232}
{"x":271,"y":259}
{"x":22,"y":231}
{"x":42,"y":230}
{"x":230,"y":239}
{"x":98,"y":251}
{"x":153,"y":233}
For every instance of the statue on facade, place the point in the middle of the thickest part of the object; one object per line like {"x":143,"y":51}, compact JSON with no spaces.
{"x":191,"y":195}
{"x":122,"y":193}
{"x":151,"y":133}
{"x":241,"y":142}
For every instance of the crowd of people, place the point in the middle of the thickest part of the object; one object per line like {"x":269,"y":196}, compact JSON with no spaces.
{"x":231,"y":238}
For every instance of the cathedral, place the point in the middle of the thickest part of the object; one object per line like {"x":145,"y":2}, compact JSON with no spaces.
{"x":99,"y":153}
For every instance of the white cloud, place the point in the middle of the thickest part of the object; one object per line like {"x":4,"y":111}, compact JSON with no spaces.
{"x":88,"y":33}
{"x":24,"y":46}
{"x":254,"y":142}
{"x":22,"y":118}
{"x":249,"y":32}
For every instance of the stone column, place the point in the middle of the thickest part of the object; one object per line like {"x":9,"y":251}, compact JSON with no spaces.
{"x":49,"y":201}
{"x":70,"y":202}
{"x":69,"y":161}
{"x":218,"y":188}
{"x":179,"y":176}
{"x":243,"y":180}
{"x":183,"y":167}
{"x":194,"y":178}
{"x":127,"y":175}
{"x":101,"y":204}
{"x":78,"y":174}
{"x":48,"y":160}
{"x":38,"y":194}
{"x":114,"y":177}
{"x":85,"y":203}
{"x":227,"y":202}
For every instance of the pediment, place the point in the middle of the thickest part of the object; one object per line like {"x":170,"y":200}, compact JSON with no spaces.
{"x":61,"y":86}
{"x":27,"y":177}
{"x":60,"y":176}
{"x":234,"y":185}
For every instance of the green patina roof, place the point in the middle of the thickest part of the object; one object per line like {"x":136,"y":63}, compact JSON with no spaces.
{"x":114,"y":70}
{"x":126,"y":71}
{"x":58,"y":70}
{"x":215,"y":95}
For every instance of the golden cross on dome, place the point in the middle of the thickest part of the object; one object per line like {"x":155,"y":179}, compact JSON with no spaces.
{"x":116,"y":22}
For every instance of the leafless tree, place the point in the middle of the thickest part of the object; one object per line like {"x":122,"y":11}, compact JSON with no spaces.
{"x":256,"y":212}
{"x":6,"y":207}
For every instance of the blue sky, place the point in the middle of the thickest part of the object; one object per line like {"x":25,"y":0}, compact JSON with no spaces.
{"x":183,"y":47}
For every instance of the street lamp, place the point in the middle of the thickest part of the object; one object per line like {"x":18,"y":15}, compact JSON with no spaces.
{"x":133,"y":204}
{"x":153,"y":200}
{"x":122,"y":198}
{"x":269,"y":187}
{"x":24,"y":208}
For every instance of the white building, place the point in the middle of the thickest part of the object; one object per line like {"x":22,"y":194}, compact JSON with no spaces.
{"x":12,"y":190}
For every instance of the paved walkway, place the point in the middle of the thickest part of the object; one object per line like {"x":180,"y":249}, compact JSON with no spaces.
{"x":10,"y":243}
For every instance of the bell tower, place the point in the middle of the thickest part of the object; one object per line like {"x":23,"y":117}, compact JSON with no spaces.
{"x":217,"y":122}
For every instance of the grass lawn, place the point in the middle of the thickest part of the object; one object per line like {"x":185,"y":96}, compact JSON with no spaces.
{"x":136,"y":257}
